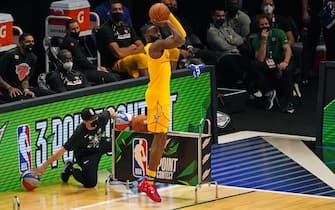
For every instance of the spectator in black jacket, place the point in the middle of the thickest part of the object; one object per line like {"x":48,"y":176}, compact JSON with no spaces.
{"x":16,"y":68}
{"x":78,"y":47}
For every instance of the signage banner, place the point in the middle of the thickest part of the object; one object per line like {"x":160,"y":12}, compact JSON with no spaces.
{"x":31,"y":131}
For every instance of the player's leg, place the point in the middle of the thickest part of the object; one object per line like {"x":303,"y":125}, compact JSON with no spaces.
{"x":156,"y":150}
{"x":158,"y":123}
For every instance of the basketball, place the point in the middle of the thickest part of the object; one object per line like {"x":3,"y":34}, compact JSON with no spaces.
{"x":122,"y":121}
{"x":159,"y":12}
{"x":29,"y":181}
{"x":139,"y":123}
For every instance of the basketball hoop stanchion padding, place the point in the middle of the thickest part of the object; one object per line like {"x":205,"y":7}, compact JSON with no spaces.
{"x":200,"y":158}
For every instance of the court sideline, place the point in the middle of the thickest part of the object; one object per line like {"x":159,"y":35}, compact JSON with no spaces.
{"x":231,"y":194}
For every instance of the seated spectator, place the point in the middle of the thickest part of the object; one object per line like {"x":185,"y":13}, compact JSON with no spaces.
{"x":17,"y":66}
{"x":103,"y":10}
{"x":65,"y":78}
{"x":231,"y":70}
{"x":286,"y":24}
{"x":236,"y":19}
{"x":272,"y":71}
{"x":277,"y":21}
{"x":121,"y":49}
{"x":78,"y":47}
{"x":193,"y":49}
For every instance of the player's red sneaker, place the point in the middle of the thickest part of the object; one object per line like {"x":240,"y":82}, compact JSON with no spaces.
{"x":150,"y":190}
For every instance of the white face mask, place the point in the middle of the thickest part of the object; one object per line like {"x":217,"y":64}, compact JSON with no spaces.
{"x":268,"y":9}
{"x":68,"y":65}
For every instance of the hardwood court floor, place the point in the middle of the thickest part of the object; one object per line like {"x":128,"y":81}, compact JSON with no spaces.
{"x":73,"y":196}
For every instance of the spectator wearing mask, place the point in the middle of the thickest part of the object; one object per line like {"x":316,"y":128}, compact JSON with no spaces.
{"x":120,"y":47}
{"x":231,"y":70}
{"x":79,"y":49}
{"x":272,"y":71}
{"x":16,"y":68}
{"x":65,"y":77}
{"x":236,"y":19}
{"x":285,"y":23}
{"x":103,"y":10}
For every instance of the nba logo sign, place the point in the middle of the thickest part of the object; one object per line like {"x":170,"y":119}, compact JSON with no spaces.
{"x":23,"y":138}
{"x":140,"y":156}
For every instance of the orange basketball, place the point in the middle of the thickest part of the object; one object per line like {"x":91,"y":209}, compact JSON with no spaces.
{"x":159,"y":12}
{"x":139,"y":123}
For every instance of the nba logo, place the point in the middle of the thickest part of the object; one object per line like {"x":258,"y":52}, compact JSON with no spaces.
{"x":140,"y":154}
{"x":23,"y":137}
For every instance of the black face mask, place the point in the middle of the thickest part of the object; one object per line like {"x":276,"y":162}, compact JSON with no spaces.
{"x":29,"y":48}
{"x":264,"y":28}
{"x":116,"y":16}
{"x":153,"y":38}
{"x":75,"y":35}
{"x":219,"y":22}
{"x":94,"y":124}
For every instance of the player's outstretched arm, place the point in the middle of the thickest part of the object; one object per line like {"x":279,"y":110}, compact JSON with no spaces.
{"x":176,"y":39}
{"x":176,"y":23}
{"x":41,"y":169}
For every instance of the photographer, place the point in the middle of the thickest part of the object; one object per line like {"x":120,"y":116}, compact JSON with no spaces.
{"x":273,"y":71}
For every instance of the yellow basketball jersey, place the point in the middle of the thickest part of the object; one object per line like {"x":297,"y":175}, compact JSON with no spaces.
{"x":159,"y":73}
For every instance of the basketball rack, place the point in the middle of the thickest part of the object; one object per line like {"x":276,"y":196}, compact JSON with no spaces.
{"x":113,"y":181}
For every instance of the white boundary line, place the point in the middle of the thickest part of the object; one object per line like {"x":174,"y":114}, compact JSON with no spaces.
{"x":281,"y":192}
{"x":250,"y":134}
{"x":119,"y":199}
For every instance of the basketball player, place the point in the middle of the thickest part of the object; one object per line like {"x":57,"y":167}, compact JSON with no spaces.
{"x":158,"y":93}
{"x":88,"y":145}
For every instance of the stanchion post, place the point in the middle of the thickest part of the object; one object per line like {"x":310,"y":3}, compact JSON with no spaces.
{"x":200,"y":156}
{"x":113,"y":150}
{"x":16,"y":203}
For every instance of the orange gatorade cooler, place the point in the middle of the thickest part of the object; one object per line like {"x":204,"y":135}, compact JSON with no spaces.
{"x":76,"y":9}
{"x":6,"y":29}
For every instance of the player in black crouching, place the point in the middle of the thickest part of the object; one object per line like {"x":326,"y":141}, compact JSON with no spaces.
{"x":88,"y":145}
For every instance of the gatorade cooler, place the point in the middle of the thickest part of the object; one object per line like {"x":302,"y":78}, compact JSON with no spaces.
{"x":76,"y":9}
{"x":6,"y":29}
